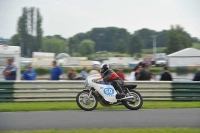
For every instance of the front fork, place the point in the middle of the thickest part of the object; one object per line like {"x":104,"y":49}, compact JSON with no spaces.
{"x":90,"y":93}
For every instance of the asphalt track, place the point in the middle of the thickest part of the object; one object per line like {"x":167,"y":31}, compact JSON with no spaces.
{"x":99,"y":119}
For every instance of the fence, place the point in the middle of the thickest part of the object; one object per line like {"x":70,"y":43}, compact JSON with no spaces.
{"x":67,"y":90}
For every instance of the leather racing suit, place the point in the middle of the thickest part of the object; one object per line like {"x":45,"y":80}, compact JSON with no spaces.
{"x":116,"y":81}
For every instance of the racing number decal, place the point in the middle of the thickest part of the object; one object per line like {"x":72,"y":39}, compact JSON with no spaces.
{"x":109,"y":91}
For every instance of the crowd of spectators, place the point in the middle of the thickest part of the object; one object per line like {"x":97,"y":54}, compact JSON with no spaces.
{"x":140,"y":73}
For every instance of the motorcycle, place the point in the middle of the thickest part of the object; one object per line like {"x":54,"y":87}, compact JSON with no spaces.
{"x":98,"y":91}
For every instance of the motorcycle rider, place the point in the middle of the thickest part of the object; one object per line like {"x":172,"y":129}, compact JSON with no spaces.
{"x":108,"y":75}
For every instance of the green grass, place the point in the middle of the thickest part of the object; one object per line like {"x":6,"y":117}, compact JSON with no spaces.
{"x":150,"y":51}
{"x":52,"y":106}
{"x":119,"y":130}
{"x":112,"y":54}
{"x":196,"y":45}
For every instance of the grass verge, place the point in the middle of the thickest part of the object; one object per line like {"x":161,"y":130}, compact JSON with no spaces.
{"x":119,"y":130}
{"x":52,"y":106}
{"x":196,"y":45}
{"x":150,"y":51}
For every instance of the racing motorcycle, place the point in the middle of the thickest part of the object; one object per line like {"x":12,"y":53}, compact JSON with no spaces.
{"x":98,"y":91}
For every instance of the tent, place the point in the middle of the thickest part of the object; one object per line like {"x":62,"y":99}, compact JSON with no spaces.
{"x":188,"y":57}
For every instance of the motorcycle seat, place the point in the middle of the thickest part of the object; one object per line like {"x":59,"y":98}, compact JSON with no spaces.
{"x":130,"y":86}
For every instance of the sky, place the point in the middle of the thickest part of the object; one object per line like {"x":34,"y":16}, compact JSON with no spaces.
{"x":69,"y":17}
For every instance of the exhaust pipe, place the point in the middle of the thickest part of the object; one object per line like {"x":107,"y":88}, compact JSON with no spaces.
{"x":126,"y":98}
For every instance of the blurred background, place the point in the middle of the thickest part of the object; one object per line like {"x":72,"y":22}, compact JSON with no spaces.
{"x":88,"y":33}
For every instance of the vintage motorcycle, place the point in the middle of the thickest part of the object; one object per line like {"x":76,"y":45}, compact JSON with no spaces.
{"x":98,"y":91}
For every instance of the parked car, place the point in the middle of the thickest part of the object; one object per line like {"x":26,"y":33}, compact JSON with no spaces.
{"x":160,"y":62}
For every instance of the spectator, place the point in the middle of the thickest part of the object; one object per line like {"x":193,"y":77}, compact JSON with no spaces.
{"x":120,"y":74}
{"x":72,"y":74}
{"x":29,"y":74}
{"x":135,"y":73}
{"x":94,"y":71}
{"x":10,"y":72}
{"x":145,"y":73}
{"x":197,"y":76}
{"x":141,"y":64}
{"x":166,"y":76}
{"x":56,"y":71}
{"x":84,"y":73}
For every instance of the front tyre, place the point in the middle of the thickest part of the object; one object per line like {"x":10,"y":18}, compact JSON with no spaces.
{"x":133,"y":103}
{"x":86,"y":103}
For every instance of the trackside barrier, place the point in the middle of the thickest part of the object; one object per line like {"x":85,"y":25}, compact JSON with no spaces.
{"x":67,"y":90}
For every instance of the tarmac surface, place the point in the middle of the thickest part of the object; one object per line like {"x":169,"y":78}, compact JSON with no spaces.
{"x":100,"y":119}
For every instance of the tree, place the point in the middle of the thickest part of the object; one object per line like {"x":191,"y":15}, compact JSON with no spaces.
{"x":145,"y":35}
{"x":178,"y":39}
{"x":174,"y":42}
{"x":26,"y":29}
{"x":38,"y":31}
{"x":86,"y":47}
{"x":15,"y":40}
{"x":73,"y":44}
{"x":195,"y":40}
{"x":135,"y":45}
{"x":53,"y":45}
{"x":60,"y":37}
{"x":105,"y":39}
{"x":23,"y":30}
{"x":121,"y":47}
{"x":32,"y":20}
{"x":161,"y":40}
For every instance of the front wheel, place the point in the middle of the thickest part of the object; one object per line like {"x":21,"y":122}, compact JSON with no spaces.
{"x":134,"y":103}
{"x":86,"y":103}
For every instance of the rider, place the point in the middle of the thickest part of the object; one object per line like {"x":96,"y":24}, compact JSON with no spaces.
{"x":108,"y":75}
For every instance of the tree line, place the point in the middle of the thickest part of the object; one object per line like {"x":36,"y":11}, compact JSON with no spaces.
{"x":29,"y":31}
{"x":111,"y":39}
{"x":115,"y":39}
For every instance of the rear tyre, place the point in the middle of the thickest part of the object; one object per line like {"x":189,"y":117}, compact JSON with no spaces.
{"x":86,"y":103}
{"x":133,"y":103}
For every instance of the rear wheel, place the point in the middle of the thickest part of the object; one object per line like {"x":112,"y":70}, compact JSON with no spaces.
{"x":86,"y":103}
{"x":134,"y":103}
